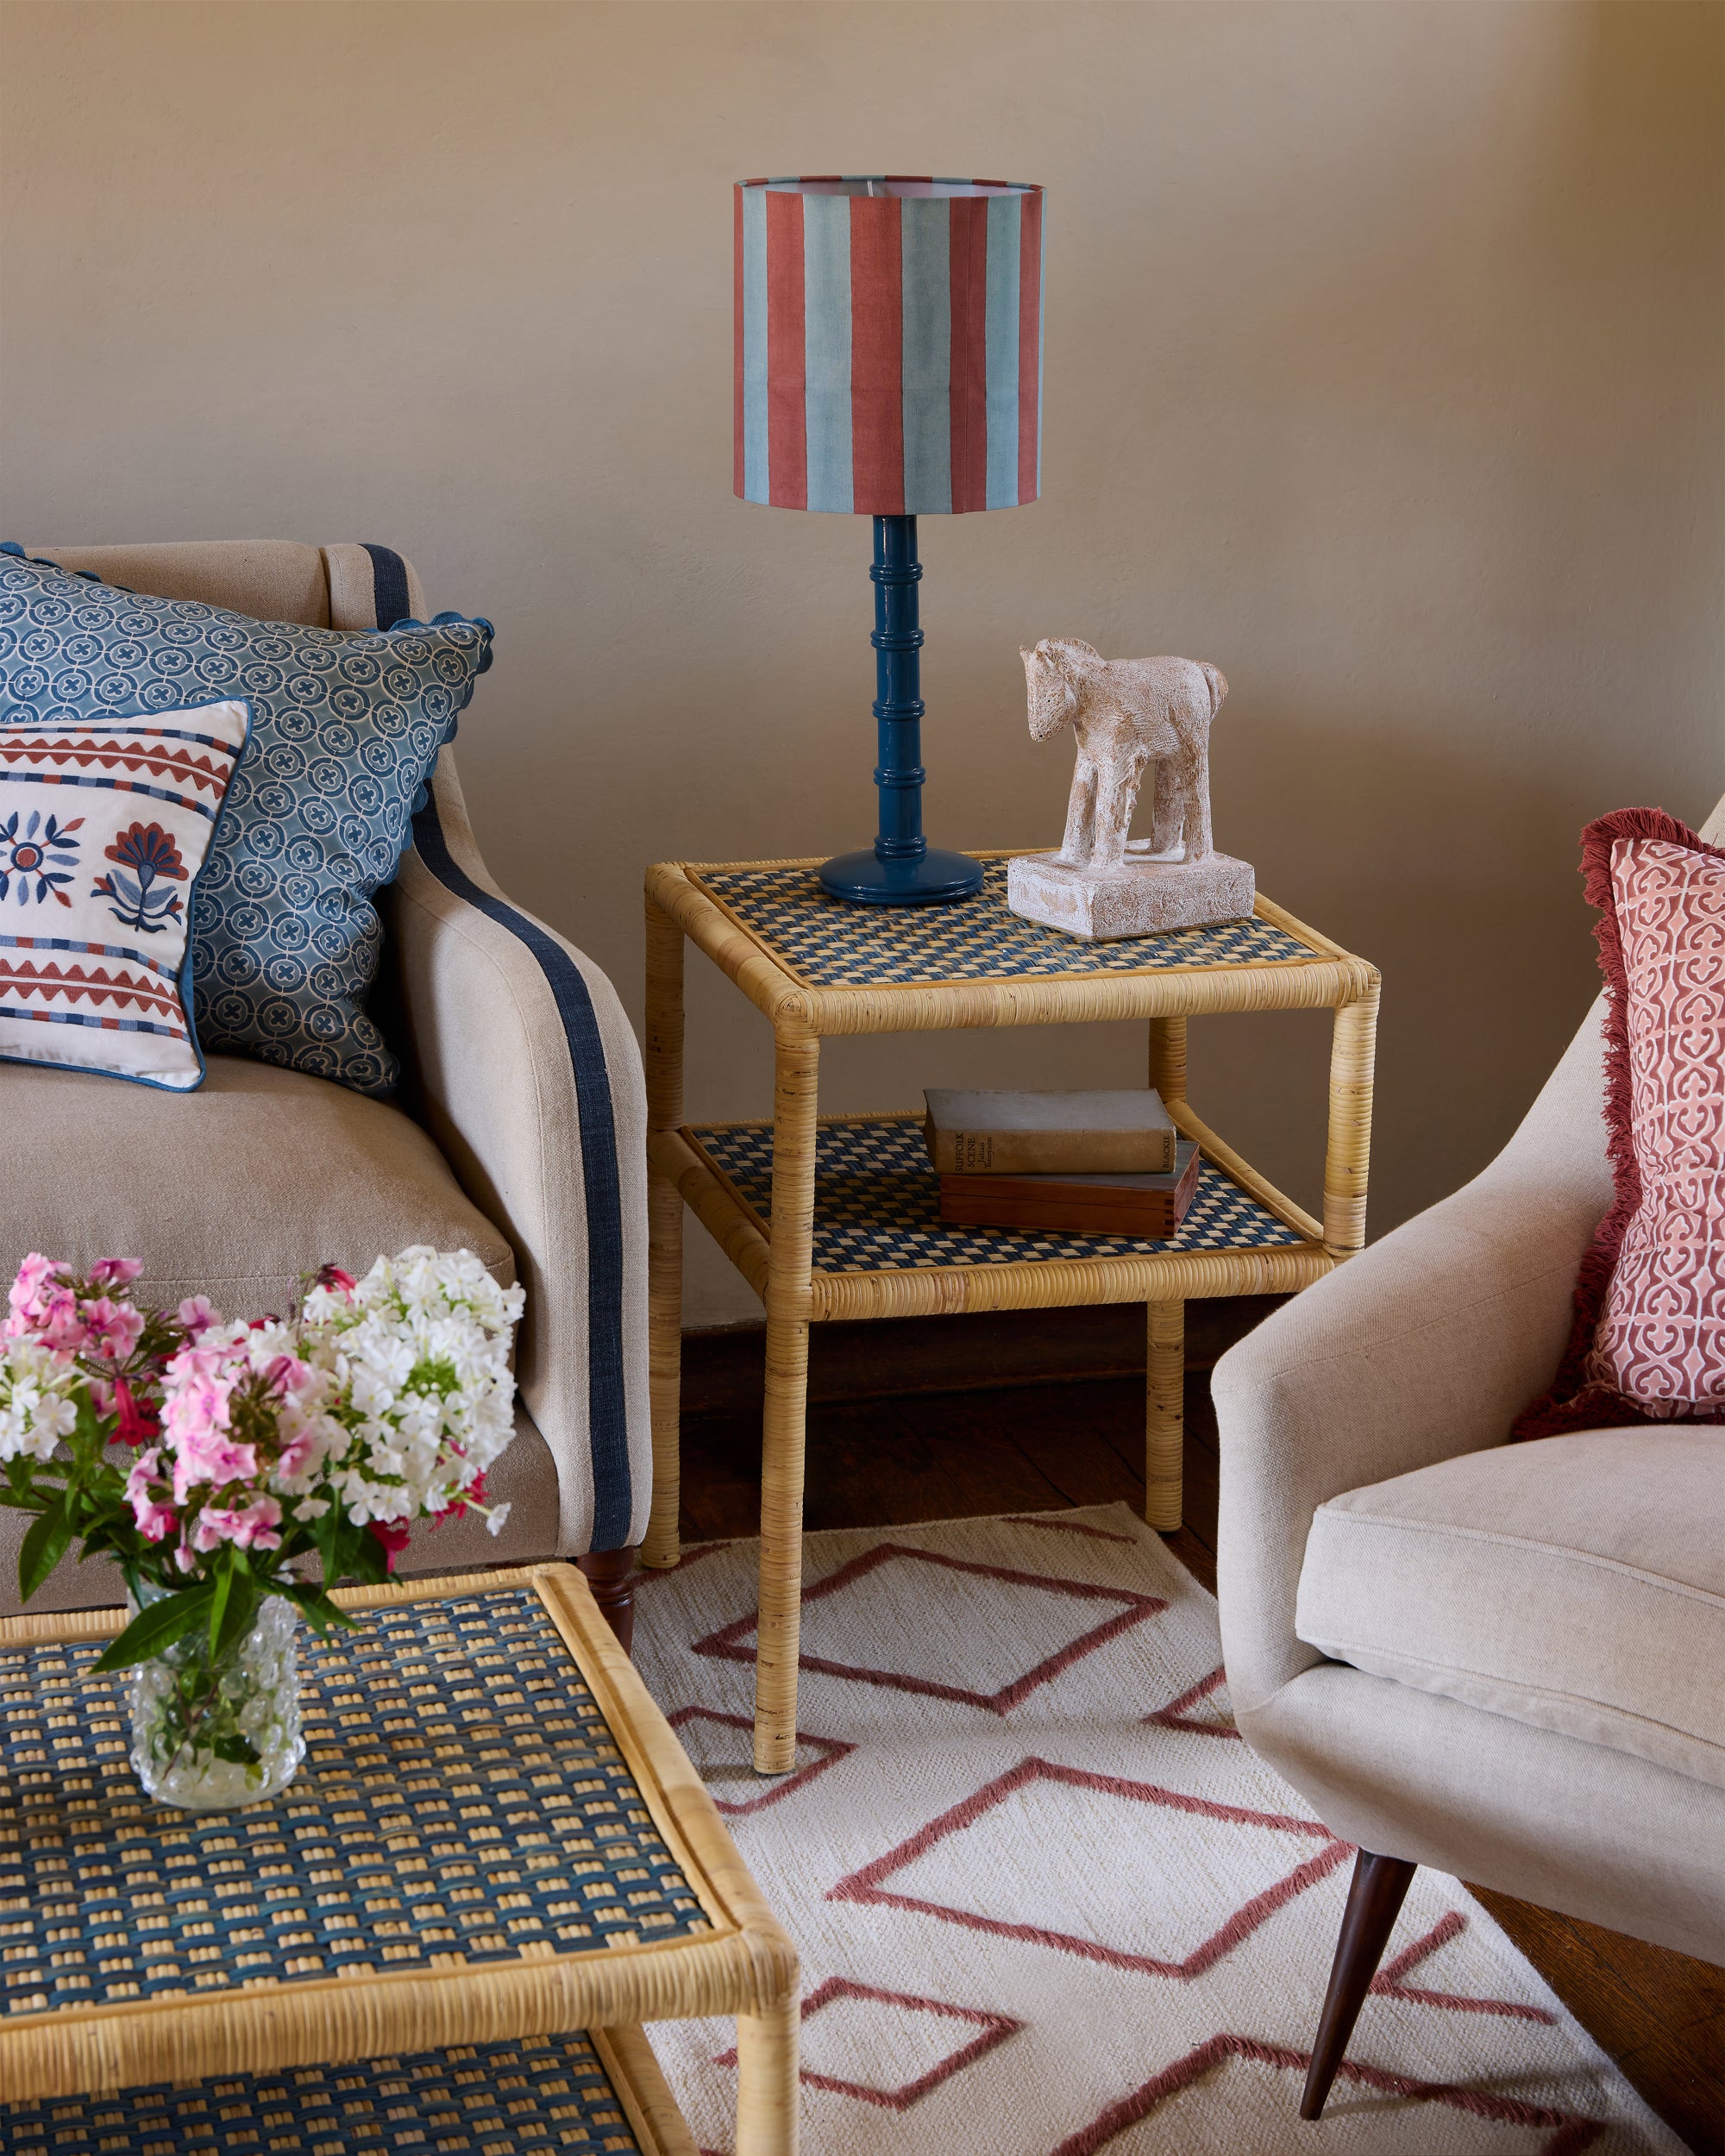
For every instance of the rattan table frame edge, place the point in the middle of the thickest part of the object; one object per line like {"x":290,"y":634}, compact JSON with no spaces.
{"x":747,"y":1966}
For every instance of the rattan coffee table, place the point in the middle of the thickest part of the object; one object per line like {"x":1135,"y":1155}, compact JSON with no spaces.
{"x":837,"y":1217}
{"x":495,"y":1839}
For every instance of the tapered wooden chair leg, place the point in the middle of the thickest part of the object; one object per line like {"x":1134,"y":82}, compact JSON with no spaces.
{"x":610,"y":1575}
{"x":1375,"y":1898}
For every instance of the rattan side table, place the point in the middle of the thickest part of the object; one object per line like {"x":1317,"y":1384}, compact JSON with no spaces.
{"x":496,"y":1838}
{"x":836,"y":1217}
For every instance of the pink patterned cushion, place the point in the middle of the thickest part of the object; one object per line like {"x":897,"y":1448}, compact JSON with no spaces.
{"x":1661,"y":1335}
{"x":1649,"y":1339}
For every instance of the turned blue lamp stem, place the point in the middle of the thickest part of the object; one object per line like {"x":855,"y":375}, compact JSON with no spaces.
{"x":902,"y":869}
{"x":897,"y":640}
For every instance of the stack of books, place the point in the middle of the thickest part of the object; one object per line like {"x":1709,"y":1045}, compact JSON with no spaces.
{"x":1107,"y":1163}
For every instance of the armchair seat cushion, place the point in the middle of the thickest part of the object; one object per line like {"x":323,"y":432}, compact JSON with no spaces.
{"x":1577,"y":1583}
{"x":232,"y":1191}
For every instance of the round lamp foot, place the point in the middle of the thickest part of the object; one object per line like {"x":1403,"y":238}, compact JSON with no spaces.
{"x":865,"y":880}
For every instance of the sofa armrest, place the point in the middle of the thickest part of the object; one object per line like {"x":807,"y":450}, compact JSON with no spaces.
{"x":528,"y":1075}
{"x":1427,"y":1344}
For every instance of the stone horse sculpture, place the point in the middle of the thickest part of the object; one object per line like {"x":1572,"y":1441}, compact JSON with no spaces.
{"x":1126,"y":715}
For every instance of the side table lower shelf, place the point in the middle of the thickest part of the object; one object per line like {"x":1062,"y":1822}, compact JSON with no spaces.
{"x":596,"y":2092}
{"x":880,"y":1249}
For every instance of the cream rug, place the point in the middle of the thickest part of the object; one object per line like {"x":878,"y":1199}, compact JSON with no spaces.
{"x":1049,"y":1903}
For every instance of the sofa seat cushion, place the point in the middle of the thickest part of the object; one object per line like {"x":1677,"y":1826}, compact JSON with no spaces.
{"x":1576,"y":1583}
{"x":232,"y":1191}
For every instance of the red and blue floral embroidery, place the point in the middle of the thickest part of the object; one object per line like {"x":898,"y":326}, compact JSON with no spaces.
{"x":147,"y":899}
{"x":38,"y":858}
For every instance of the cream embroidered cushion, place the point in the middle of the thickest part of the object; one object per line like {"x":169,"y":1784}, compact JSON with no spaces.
{"x":106,"y":826}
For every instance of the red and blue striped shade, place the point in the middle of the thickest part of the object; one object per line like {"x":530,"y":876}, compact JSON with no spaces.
{"x":888,"y":344}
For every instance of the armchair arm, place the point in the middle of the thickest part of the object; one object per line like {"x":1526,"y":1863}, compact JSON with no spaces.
{"x":1427,"y":1345}
{"x":530,"y":1080}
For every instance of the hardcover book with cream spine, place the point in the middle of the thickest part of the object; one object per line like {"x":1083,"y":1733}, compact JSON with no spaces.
{"x":1002,"y":1133}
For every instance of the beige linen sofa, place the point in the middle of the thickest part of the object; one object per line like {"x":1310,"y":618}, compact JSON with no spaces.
{"x":1504,"y":1660}
{"x":518,"y":1132}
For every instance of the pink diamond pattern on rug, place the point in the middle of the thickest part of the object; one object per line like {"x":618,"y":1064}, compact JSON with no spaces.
{"x":1388,"y":1980}
{"x":829,"y":1752}
{"x":1560,"y":2133}
{"x":1179,"y":1715}
{"x":1055,"y":1524}
{"x":994,"y":2028}
{"x":866,"y":1885}
{"x":1130,"y":1608}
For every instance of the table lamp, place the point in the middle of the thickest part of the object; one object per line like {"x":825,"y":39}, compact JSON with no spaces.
{"x":889,"y":365}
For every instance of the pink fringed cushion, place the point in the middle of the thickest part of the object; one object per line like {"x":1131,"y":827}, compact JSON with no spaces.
{"x":1649,"y":1338}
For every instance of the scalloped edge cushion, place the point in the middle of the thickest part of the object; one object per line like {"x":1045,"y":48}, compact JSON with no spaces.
{"x":347,"y":727}
{"x":106,"y":831}
{"x":1650,"y":1297}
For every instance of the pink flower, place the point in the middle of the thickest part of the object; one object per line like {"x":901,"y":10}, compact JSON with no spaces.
{"x":116,"y":1272}
{"x":115,"y":1327}
{"x":333,"y":1278}
{"x":184,"y":1558}
{"x":212,"y":1457}
{"x":198,"y":1314}
{"x":392,"y":1533}
{"x":250,"y":1526}
{"x":25,"y":1294}
{"x":61,"y":1324}
{"x":139,"y":1423}
{"x":156,"y":1521}
{"x":289,"y":1374}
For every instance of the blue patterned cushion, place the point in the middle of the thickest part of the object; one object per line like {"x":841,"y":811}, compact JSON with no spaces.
{"x":346,"y":728}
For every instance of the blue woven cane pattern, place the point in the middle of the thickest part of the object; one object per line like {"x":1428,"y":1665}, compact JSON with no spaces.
{"x":877,"y":1206}
{"x":525,"y":2098}
{"x":831,"y":944}
{"x":462,"y":1797}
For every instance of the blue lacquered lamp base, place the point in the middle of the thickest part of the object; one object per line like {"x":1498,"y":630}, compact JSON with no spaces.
{"x":901,"y":868}
{"x":938,"y":876}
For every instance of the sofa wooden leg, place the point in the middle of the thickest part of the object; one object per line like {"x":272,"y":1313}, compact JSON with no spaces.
{"x":1380,"y":1885}
{"x":610,"y":1575}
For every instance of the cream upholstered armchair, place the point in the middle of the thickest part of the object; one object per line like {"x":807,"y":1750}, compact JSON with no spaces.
{"x":1503,"y":1660}
{"x":518,"y":1132}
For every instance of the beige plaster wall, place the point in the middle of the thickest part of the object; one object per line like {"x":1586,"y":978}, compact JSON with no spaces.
{"x":1384,"y":360}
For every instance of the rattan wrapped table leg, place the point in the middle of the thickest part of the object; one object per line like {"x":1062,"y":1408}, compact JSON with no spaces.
{"x":796,"y":1074}
{"x":664,"y":1070}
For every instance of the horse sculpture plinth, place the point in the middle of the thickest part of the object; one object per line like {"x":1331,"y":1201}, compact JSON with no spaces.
{"x":1141,"y":898}
{"x":1128,"y":715}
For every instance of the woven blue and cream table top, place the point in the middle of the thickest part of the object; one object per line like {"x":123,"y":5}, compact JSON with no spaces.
{"x":877,"y":1221}
{"x":494,"y":1834}
{"x":869,"y":968}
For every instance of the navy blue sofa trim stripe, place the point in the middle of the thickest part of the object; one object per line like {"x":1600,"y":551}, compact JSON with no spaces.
{"x":607,"y":1419}
{"x":389,"y":581}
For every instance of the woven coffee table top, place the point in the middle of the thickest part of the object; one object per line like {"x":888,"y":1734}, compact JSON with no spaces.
{"x":462,"y":1794}
{"x":521,"y":2099}
{"x":827,"y":944}
{"x":494,"y":1833}
{"x":877,"y":1204}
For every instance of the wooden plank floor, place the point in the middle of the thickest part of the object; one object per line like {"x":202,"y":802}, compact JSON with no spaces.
{"x":901,"y":1456}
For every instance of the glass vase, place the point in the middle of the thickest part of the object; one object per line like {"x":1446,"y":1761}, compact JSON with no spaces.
{"x":212,"y":1732}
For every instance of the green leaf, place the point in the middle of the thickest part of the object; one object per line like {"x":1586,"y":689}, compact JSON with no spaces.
{"x":43,"y":1548}
{"x":218,"y":1605}
{"x":157,"y":1627}
{"x":238,"y":1750}
{"x":240,"y":1611}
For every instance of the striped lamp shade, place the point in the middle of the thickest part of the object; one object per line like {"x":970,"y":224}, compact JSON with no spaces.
{"x":888,"y":344}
